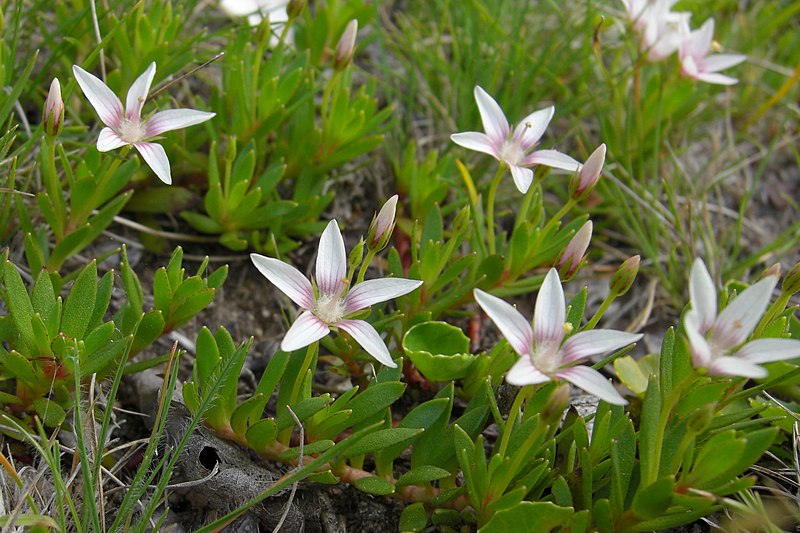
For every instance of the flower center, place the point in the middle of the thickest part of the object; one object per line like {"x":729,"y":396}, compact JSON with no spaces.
{"x":547,"y":357}
{"x":132,"y":130}
{"x":512,"y":151}
{"x":329,"y":308}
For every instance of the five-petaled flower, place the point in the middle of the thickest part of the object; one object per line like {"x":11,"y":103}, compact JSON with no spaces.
{"x":697,"y":64}
{"x":545,"y":355}
{"x":126,"y":126}
{"x":716,"y":341}
{"x":512,"y":148}
{"x":331,"y":303}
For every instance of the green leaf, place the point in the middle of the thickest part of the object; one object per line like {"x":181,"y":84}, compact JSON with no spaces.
{"x":19,"y":304}
{"x":715,"y":457}
{"x":261,"y":435}
{"x":250,"y":409}
{"x":326,"y":478}
{"x":49,"y":411}
{"x":654,"y":500}
{"x":18,"y":366}
{"x":650,"y":452}
{"x":76,"y":315}
{"x":383,"y":438}
{"x":162,"y":293}
{"x":303,"y":409}
{"x":413,"y":518}
{"x":374,"y":485}
{"x":150,"y":328}
{"x":535,"y":516}
{"x":623,"y":454}
{"x":374,"y":399}
{"x":422,"y":474}
{"x":631,"y":374}
{"x":309,"y":449}
{"x":43,"y":295}
{"x":440,"y":351}
{"x":104,"y":288}
{"x":576,"y":309}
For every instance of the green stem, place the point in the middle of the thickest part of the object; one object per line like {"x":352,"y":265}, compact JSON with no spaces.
{"x":54,"y":188}
{"x":523,"y":394}
{"x":326,"y":98}
{"x":311,"y":353}
{"x":490,"y":200}
{"x":601,"y":311}
{"x":364,"y":265}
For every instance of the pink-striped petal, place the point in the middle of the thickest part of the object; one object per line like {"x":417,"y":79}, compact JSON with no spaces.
{"x":550,"y":311}
{"x":109,"y":140}
{"x":740,"y":317}
{"x":734,"y":366}
{"x":593,"y":382}
{"x":553,"y":159}
{"x":331,"y":261}
{"x":494,"y":120}
{"x":474,"y":140}
{"x":532,"y":127}
{"x":595,"y":342}
{"x":305,"y":330}
{"x":377,"y":290}
{"x":523,"y":177}
{"x":719,"y":62}
{"x":156,"y":158}
{"x":703,"y":296}
{"x":174,"y":119}
{"x":137,"y":94}
{"x":769,"y":350}
{"x":524,"y":373}
{"x":287,"y":279}
{"x":698,"y":346}
{"x":369,"y":339}
{"x":103,"y":100}
{"x":514,"y":327}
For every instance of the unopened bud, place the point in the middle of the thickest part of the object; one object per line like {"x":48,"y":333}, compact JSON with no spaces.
{"x":700,"y":419}
{"x":230,"y":150}
{"x":295,"y":8}
{"x":461,"y":222}
{"x":791,"y":283}
{"x":346,"y":46}
{"x":356,"y":255}
{"x":380,"y":229}
{"x":556,"y":404}
{"x":572,"y":256}
{"x":53,"y":114}
{"x":588,"y":175}
{"x":623,"y":278}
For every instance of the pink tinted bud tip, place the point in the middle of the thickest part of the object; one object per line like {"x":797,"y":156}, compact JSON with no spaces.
{"x":54,"y":110}
{"x":346,"y":46}
{"x":590,"y":172}
{"x":574,"y":251}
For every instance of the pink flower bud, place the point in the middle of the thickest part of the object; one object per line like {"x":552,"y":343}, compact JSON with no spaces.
{"x":572,"y":256}
{"x":380,"y":230}
{"x":53,"y":114}
{"x":346,"y":46}
{"x":590,"y":172}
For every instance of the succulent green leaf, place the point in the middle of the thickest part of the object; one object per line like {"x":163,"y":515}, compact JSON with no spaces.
{"x":383,"y":438}
{"x":49,"y":411}
{"x":440,"y":351}
{"x":80,"y":303}
{"x":422,"y":474}
{"x":374,"y":485}
{"x":536,"y":516}
{"x":413,"y":518}
{"x":261,"y":434}
{"x":653,"y":501}
{"x":19,"y":303}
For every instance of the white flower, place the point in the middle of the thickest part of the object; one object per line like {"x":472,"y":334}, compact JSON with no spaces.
{"x":332,"y":302}
{"x":717,"y":342}
{"x":545,"y":355}
{"x":257,"y":10}
{"x":697,"y":64}
{"x":661,"y":30}
{"x":126,"y":126}
{"x":512,"y":149}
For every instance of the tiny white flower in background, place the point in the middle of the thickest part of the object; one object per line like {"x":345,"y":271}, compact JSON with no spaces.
{"x":126,"y":126}
{"x":717,"y":342}
{"x":512,"y":148}
{"x":698,"y":64}
{"x":257,"y":10}
{"x":332,"y":302}
{"x":661,"y":30}
{"x":544,"y":354}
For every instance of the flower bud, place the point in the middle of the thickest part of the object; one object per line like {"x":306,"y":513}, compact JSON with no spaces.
{"x":380,"y":229}
{"x":572,"y":256}
{"x":355,"y":257}
{"x":346,"y":46}
{"x":791,"y":283}
{"x":295,"y":8}
{"x":556,"y":404}
{"x":53,"y":114}
{"x":461,"y":222}
{"x":588,"y":175}
{"x":623,"y":278}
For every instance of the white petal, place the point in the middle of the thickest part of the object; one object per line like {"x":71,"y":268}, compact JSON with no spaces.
{"x":331,"y":261}
{"x":552,"y":158}
{"x":702,"y":38}
{"x":287,"y":279}
{"x":173,"y":119}
{"x":238,"y":8}
{"x":524,"y":373}
{"x":155,"y":156}
{"x":719,"y":62}
{"x":740,"y":317}
{"x":698,"y":346}
{"x":477,"y":141}
{"x":137,"y":94}
{"x":717,"y":79}
{"x":109,"y":140}
{"x":595,"y":342}
{"x":703,"y":296}
{"x":368,"y":338}
{"x":514,"y":327}
{"x":734,"y":366}
{"x":532,"y":127}
{"x":377,"y":290}
{"x":590,"y":172}
{"x":494,"y":120}
{"x":305,"y":330}
{"x":593,"y":382}
{"x":550,"y":311}
{"x":523,"y":177}
{"x":769,"y":350}
{"x":103,"y":100}
{"x":689,"y":67}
